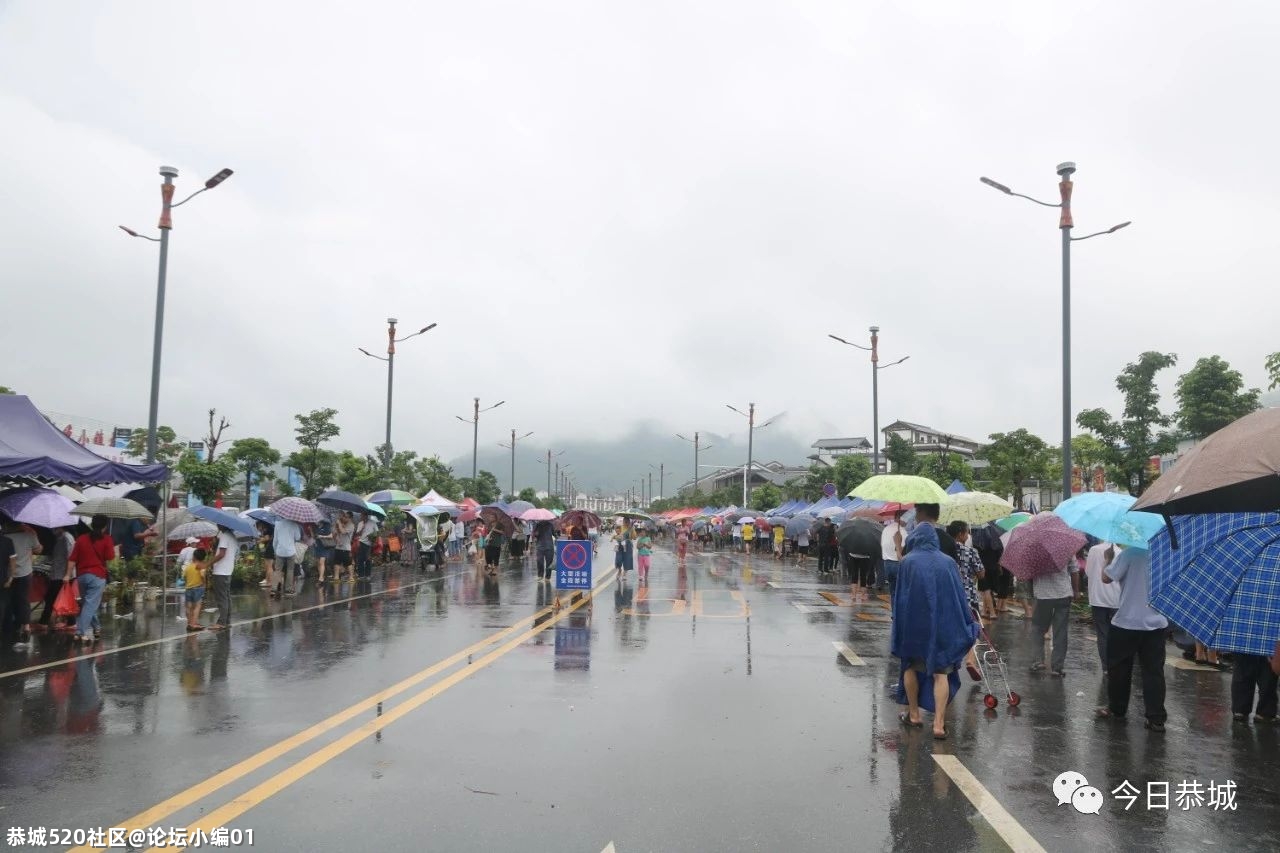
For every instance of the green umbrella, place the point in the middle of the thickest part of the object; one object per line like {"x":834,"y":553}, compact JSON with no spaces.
{"x":1011,"y":521}
{"x":901,"y":488}
{"x":390,"y":497}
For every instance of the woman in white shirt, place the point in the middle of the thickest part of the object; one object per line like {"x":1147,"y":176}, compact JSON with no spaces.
{"x":1104,"y":597}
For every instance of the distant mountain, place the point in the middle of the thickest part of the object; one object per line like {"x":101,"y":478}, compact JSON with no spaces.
{"x":1271,"y":400}
{"x":613,"y":466}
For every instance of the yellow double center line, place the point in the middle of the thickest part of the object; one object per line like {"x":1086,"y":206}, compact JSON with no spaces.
{"x":222,"y":816}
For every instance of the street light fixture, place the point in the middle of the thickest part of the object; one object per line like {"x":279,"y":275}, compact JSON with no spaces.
{"x":661,"y":468}
{"x":750,"y":415}
{"x":876,"y":367}
{"x":512,"y":445}
{"x":696,"y":441}
{"x":1065,"y":224}
{"x":474,"y":420}
{"x":165,"y":225}
{"x":390,"y":359}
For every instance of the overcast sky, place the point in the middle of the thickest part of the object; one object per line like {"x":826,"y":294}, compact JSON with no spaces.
{"x":622,"y":211}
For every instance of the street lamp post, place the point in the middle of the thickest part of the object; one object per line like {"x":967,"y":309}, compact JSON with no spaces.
{"x":474,"y":420}
{"x":165,"y":225}
{"x":750,"y":415}
{"x":551,"y":455}
{"x":390,"y":359}
{"x":876,"y":367}
{"x":696,"y":440}
{"x":661,"y":468}
{"x":512,"y":445}
{"x":1065,"y":224}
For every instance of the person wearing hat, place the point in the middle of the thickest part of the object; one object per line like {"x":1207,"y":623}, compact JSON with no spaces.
{"x":187,"y":554}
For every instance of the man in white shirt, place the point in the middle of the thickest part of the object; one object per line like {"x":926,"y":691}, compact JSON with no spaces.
{"x":1104,"y":597}
{"x":891,"y":540}
{"x":285,"y":545}
{"x":1053,"y":595}
{"x":18,"y":615}
{"x":224,"y":562}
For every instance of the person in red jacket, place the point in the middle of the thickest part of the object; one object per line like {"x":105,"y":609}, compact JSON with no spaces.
{"x":88,"y":564}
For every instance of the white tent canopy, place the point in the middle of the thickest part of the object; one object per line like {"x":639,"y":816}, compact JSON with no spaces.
{"x":437,"y":500}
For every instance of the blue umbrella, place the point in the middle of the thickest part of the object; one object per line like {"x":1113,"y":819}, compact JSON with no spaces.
{"x":956,"y":488}
{"x":1106,"y":515}
{"x":266,"y":516}
{"x":799,"y":524}
{"x":234,"y":523}
{"x":426,"y":509}
{"x":1222,"y":583}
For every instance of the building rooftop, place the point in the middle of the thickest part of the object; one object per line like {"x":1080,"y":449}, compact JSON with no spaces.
{"x":841,"y":443}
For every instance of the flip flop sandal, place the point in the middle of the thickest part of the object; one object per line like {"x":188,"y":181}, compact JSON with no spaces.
{"x":942,"y":735}
{"x":906,"y":720}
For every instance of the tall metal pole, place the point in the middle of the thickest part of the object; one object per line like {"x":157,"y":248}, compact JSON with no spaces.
{"x":513,"y":464}
{"x":650,"y":503}
{"x":166,"y":225}
{"x":662,"y":479}
{"x":695,"y":462}
{"x":1065,"y":170}
{"x":391,"y":362}
{"x":875,"y":399}
{"x":746,"y":475}
{"x":548,"y":473}
{"x":475,"y":440}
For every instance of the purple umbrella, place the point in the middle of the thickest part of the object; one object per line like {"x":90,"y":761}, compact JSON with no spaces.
{"x":41,"y":507}
{"x":1042,"y":546}
{"x":297,"y":509}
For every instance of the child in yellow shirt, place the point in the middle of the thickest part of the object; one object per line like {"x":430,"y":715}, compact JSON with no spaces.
{"x":193,"y":577}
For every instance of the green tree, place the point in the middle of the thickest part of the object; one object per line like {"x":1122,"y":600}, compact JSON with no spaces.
{"x":5,"y":390}
{"x":554,"y":502}
{"x":942,"y":468}
{"x":314,"y":430}
{"x":849,"y":472}
{"x":432,"y":473}
{"x":765,"y":497}
{"x":528,"y":493}
{"x":358,"y":474}
{"x":1273,"y":370}
{"x":1212,"y":395}
{"x":484,"y":488}
{"x":1141,"y":432}
{"x":206,"y":479}
{"x":901,"y":455}
{"x":252,"y":456}
{"x":168,"y":449}
{"x":1015,"y":457}
{"x":1088,"y":453}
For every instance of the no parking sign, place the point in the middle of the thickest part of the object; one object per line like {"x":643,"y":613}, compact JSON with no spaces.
{"x":573,"y":564}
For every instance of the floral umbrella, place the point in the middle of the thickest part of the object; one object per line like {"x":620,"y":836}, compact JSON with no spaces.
{"x":1042,"y":546}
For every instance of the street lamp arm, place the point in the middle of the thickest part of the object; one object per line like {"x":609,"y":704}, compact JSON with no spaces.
{"x":371,"y":355}
{"x":892,"y":363}
{"x":208,"y":185}
{"x":494,"y":406}
{"x":421,"y":331}
{"x":464,"y":420}
{"x":1113,"y":229}
{"x":739,"y":411}
{"x":133,"y":233}
{"x":848,"y":343}
{"x":1002,"y":188}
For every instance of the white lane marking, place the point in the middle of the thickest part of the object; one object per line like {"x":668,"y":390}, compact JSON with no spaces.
{"x":848,"y":654}
{"x":1183,"y":663}
{"x":1018,"y":839}
{"x":609,"y":848}
{"x":810,"y":609}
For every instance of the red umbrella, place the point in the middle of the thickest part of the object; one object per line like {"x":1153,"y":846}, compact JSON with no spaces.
{"x":468,"y":516}
{"x":1042,"y":546}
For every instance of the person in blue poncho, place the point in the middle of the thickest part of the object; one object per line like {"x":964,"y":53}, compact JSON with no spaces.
{"x":933,"y":629}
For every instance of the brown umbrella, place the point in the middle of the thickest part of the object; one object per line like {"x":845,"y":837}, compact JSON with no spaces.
{"x":497,"y":519}
{"x":1237,"y":469}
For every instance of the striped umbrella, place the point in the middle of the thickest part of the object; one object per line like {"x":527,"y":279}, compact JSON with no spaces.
{"x":194,"y":530}
{"x":390,"y":497}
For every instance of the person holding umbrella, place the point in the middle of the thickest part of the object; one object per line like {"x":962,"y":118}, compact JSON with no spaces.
{"x":1137,"y":631}
{"x":88,"y":563}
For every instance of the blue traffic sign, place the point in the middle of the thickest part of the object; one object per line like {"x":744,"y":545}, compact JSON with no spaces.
{"x":573,"y":564}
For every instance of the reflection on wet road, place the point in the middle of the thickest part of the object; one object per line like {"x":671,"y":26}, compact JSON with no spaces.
{"x":732,"y":703}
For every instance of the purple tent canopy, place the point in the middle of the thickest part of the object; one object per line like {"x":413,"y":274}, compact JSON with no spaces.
{"x":34,"y":449}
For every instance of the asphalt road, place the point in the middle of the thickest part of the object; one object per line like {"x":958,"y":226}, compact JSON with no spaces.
{"x":735,"y":704}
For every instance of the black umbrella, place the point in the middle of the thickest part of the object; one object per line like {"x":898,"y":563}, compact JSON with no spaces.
{"x":339,"y":499}
{"x":860,"y":537}
{"x":148,"y":497}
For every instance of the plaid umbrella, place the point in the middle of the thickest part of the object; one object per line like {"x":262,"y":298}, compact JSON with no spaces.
{"x":194,"y":529}
{"x":41,"y":507}
{"x":113,"y":508}
{"x":1222,"y":583}
{"x":974,"y":508}
{"x":299,"y":510}
{"x":1042,"y":546}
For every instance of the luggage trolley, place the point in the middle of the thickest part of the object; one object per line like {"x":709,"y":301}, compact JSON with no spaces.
{"x":991,"y":667}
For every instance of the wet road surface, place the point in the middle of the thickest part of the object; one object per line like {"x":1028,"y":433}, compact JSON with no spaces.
{"x":734,"y":704}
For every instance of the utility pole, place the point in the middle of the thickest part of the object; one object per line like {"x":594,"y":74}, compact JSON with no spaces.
{"x":696,"y":441}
